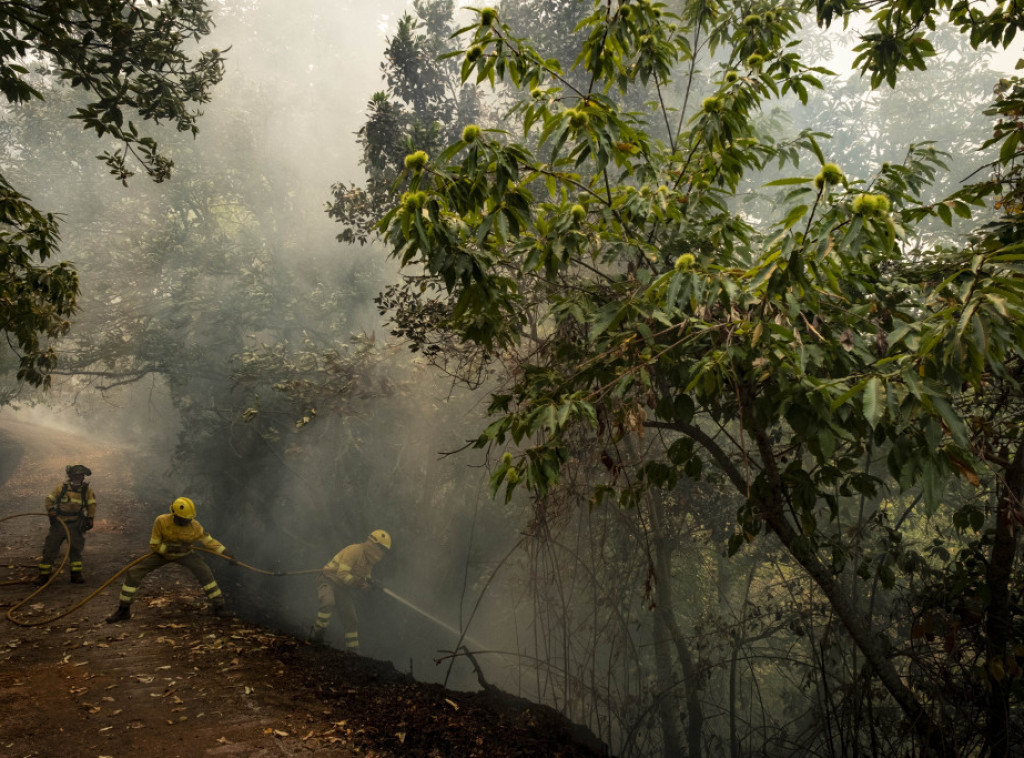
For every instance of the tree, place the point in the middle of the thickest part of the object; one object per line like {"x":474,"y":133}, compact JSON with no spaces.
{"x":129,"y":58}
{"x":783,"y":354}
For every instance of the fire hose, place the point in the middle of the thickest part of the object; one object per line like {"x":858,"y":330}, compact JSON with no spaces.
{"x":108,"y":582}
{"x":64,"y":560}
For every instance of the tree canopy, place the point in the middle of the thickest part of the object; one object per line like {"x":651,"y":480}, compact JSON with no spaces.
{"x":661,"y":328}
{"x":131,"y":61}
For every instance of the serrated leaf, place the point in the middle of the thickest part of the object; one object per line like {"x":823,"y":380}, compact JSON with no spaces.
{"x":873,"y":401}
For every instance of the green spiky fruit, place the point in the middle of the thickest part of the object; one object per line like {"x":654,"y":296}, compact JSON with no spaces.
{"x":416,"y":161}
{"x":731,"y":76}
{"x":474,"y":53}
{"x":577,"y":118}
{"x":712,"y":104}
{"x":752,"y":20}
{"x":578,"y":213}
{"x":754,"y":61}
{"x":471,"y":133}
{"x":867,"y":204}
{"x":830,"y":174}
{"x":488,"y":16}
{"x":684,"y":261}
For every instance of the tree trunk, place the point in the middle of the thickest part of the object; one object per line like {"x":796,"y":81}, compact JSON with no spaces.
{"x":666,"y":682}
{"x":664,"y":622}
{"x":665,"y":614}
{"x":875,"y":647}
{"x":997,"y":619}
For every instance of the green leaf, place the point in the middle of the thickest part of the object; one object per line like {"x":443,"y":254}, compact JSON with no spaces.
{"x":793,"y":216}
{"x":873,"y":402}
{"x":790,"y":180}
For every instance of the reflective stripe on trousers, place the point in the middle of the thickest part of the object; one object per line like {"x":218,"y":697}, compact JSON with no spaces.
{"x":151,"y":562}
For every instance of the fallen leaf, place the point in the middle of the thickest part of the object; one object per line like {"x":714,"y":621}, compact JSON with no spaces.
{"x":452,"y":703}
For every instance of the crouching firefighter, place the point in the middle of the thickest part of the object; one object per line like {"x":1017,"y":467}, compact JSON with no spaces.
{"x":72,"y":504}
{"x":346,"y":574}
{"x":171,"y":542}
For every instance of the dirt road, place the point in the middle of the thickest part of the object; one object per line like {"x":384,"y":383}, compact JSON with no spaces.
{"x":177,"y":682}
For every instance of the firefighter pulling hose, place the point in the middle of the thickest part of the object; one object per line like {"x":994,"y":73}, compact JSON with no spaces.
{"x":172,"y":540}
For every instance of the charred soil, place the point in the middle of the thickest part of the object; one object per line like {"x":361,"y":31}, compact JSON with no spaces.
{"x":177,"y":681}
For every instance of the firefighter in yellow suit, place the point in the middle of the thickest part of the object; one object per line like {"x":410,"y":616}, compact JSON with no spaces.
{"x":350,"y":572}
{"x":72,"y":503}
{"x":171,"y":542}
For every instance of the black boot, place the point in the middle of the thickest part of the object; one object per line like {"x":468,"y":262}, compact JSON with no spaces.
{"x":42,"y":579}
{"x":76,"y":577}
{"x":316,"y":635}
{"x":123,"y":613}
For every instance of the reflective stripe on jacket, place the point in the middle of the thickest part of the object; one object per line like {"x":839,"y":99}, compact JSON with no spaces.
{"x":71,"y":506}
{"x":173,"y":541}
{"x":352,"y":566}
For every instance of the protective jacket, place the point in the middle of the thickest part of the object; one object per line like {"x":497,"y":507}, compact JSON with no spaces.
{"x":353,"y":565}
{"x":173,"y":541}
{"x":69,"y":502}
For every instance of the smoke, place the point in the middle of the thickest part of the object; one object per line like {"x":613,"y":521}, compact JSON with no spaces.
{"x":179,"y":286}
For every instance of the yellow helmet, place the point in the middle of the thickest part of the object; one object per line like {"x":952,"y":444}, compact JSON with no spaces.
{"x":183,"y":508}
{"x":380,"y":537}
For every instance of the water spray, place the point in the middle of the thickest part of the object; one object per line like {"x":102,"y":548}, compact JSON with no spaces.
{"x":463,"y":638}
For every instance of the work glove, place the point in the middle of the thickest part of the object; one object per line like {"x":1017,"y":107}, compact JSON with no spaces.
{"x":53,"y":518}
{"x":231,"y":559}
{"x":372,"y":585}
{"x":87,"y":523}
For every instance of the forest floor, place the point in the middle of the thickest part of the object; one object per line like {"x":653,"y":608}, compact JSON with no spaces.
{"x":176,"y":681}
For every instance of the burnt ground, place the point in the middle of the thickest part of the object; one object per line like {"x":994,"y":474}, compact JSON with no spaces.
{"x":177,"y":681}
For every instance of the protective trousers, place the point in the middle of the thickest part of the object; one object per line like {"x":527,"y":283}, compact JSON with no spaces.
{"x":51,"y":547}
{"x":332,"y":597}
{"x":152,"y":562}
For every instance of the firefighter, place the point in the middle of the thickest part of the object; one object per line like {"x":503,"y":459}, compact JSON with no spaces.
{"x":349,"y":571}
{"x":171,"y":542}
{"x":73,"y":504}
